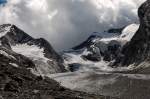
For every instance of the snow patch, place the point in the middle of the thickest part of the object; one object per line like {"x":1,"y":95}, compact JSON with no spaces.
{"x":32,"y":51}
{"x":36,"y":54}
{"x":13,"y":64}
{"x":129,"y":32}
{"x":126,"y":35}
{"x":4,"y":31}
{"x":6,"y":54}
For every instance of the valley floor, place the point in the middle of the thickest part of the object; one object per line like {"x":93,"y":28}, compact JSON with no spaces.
{"x":124,"y":86}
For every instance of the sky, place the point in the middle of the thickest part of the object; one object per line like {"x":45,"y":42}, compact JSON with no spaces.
{"x":67,"y":23}
{"x":3,"y":1}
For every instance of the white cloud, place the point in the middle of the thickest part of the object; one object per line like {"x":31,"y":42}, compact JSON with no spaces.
{"x":66,"y":23}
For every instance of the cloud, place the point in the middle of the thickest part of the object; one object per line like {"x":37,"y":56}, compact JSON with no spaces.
{"x":66,"y":23}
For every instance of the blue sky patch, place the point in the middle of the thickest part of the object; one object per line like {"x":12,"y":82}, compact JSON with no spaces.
{"x":3,"y":1}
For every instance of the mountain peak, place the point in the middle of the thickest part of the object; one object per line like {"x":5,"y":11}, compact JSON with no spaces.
{"x":39,"y":50}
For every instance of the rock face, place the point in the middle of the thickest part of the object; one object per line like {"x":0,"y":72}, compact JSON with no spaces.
{"x":45,"y":58}
{"x":138,"y":50}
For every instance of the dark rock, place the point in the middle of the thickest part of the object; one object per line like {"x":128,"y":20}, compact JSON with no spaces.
{"x":116,"y":30}
{"x":74,"y":67}
{"x":92,"y":57}
{"x":138,"y":50}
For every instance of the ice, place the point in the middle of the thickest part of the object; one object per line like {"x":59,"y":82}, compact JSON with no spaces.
{"x":31,"y":51}
{"x":36,"y":54}
{"x":129,"y":32}
{"x":126,"y":35}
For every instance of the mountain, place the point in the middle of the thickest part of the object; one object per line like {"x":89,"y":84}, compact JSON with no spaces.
{"x":112,"y":63}
{"x":136,"y":53}
{"x":45,"y":58}
{"x":25,"y":63}
{"x":105,"y":46}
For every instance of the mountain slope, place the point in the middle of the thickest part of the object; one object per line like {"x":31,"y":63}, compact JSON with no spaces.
{"x":46,"y":60}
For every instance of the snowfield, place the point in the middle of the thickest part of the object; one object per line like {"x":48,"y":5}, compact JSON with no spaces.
{"x":126,"y":35}
{"x":32,"y":51}
{"x":36,"y":54}
{"x":129,"y":32}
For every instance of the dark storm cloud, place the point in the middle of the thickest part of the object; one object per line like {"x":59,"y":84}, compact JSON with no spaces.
{"x":66,"y":23}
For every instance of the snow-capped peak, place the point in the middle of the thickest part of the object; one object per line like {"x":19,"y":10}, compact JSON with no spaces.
{"x":129,"y":32}
{"x":126,"y":35}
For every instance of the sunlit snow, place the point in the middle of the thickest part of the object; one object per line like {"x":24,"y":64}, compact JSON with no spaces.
{"x":36,"y":54}
{"x":31,"y":51}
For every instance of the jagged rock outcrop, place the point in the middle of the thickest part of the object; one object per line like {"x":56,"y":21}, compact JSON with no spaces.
{"x":47,"y":61}
{"x":138,"y":50}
